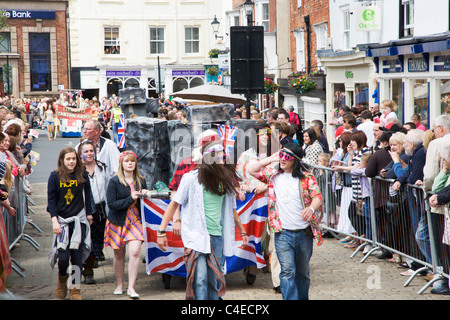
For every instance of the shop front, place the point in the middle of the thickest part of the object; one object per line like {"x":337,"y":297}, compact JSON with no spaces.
{"x":349,"y":81}
{"x":415,"y":74}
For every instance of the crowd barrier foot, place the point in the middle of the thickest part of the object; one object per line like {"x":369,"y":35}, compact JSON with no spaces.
{"x":7,"y":295}
{"x":17,"y":268}
{"x":368,"y":254}
{"x":358,"y":249}
{"x":31,"y":241}
{"x":429,"y":284}
{"x":414,"y":275}
{"x":34,"y":225}
{"x":30,"y":201}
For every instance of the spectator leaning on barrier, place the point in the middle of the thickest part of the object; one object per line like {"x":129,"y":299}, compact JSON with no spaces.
{"x":414,"y":146}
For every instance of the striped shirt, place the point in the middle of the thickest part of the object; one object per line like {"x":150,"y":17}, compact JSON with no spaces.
{"x":356,"y":184}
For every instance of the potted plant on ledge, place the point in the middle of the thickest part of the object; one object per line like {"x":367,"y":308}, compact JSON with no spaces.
{"x":212,"y":74}
{"x":302,"y":83}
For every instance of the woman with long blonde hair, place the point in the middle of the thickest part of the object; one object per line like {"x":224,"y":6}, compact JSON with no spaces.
{"x":124,"y":226}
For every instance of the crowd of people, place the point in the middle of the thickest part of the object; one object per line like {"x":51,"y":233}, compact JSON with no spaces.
{"x":93,"y":194}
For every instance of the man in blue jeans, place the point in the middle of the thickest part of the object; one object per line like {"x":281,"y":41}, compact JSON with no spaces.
{"x":295,"y":205}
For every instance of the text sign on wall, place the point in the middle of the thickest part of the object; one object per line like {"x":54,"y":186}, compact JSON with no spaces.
{"x":368,"y":18}
{"x":29,"y":14}
{"x":442,"y":63}
{"x":123,"y":73}
{"x":417,"y":65}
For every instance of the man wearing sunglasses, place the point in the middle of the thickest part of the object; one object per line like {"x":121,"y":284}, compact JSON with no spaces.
{"x":294,"y":196}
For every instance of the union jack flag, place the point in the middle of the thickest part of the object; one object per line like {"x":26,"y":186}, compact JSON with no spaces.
{"x":121,"y":132}
{"x":253,"y":213}
{"x":228,"y":135}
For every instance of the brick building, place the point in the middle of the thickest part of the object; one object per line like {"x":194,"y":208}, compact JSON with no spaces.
{"x":35,"y":47}
{"x":300,"y":38}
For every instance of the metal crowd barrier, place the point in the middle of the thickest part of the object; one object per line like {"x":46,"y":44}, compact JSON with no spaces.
{"x":399,"y":222}
{"x":15,"y":226}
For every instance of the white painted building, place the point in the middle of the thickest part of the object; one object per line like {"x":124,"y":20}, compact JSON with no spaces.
{"x":405,"y":53}
{"x":117,"y":43}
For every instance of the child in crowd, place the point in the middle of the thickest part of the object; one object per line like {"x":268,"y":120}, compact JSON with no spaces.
{"x":324,"y":178}
{"x":363,"y":204}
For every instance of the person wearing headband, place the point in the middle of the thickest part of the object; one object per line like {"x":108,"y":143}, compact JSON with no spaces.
{"x":293,"y":201}
{"x":124,"y":226}
{"x":208,"y":201}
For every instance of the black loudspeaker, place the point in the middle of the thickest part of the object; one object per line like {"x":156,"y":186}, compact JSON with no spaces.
{"x":247,"y":59}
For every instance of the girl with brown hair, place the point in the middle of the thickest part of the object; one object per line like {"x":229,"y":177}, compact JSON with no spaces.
{"x":70,"y":207}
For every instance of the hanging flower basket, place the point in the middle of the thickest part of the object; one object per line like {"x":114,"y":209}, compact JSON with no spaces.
{"x":302,"y":84}
{"x":214,"y":53}
{"x":270,"y":86}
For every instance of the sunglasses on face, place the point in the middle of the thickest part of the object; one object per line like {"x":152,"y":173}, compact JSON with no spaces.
{"x":284,"y":155}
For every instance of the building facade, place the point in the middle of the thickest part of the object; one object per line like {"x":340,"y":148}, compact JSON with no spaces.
{"x":117,"y":44}
{"x":34,"y":48}
{"x":390,"y":46}
{"x":306,"y":32}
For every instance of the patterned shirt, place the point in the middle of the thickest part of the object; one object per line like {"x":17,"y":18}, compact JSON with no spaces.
{"x":310,"y":191}
{"x":185,"y":166}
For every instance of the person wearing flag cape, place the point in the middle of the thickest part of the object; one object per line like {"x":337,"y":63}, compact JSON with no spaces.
{"x":207,"y":195}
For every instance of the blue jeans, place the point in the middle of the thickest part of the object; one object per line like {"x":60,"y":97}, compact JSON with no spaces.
{"x":294,"y":250}
{"x":205,"y":280}
{"x":419,"y":223}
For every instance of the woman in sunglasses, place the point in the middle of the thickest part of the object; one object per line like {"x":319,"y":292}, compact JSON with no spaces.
{"x":208,"y":199}
{"x":293,"y":199}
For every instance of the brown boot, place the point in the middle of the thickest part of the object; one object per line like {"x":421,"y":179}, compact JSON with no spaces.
{"x":61,"y":288}
{"x":75,"y":294}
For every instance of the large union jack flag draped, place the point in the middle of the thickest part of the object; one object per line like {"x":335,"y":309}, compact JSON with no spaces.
{"x":228,"y":135}
{"x":121,"y":132}
{"x":253,"y":214}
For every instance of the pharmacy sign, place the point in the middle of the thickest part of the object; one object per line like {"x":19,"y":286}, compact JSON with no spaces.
{"x":368,"y":18}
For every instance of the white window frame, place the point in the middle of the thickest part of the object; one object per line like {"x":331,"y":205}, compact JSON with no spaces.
{"x":300,"y":49}
{"x":191,"y":41}
{"x":114,"y":42}
{"x":321,"y":30}
{"x":346,"y":28}
{"x":265,"y":16}
{"x":157,"y":41}
{"x":408,"y":17}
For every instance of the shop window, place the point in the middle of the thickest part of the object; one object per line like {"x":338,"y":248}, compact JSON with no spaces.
{"x":421,"y":94}
{"x":445,"y":96}
{"x":5,"y":42}
{"x":40,"y":63}
{"x":152,"y":90}
{"x":132,"y":83}
{"x":112,"y":41}
{"x":396,"y":94}
{"x":157,"y":40}
{"x":113,"y":86}
{"x":180,"y":84}
{"x":362,"y":94}
{"x":339,"y":95}
{"x":195,"y":82}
